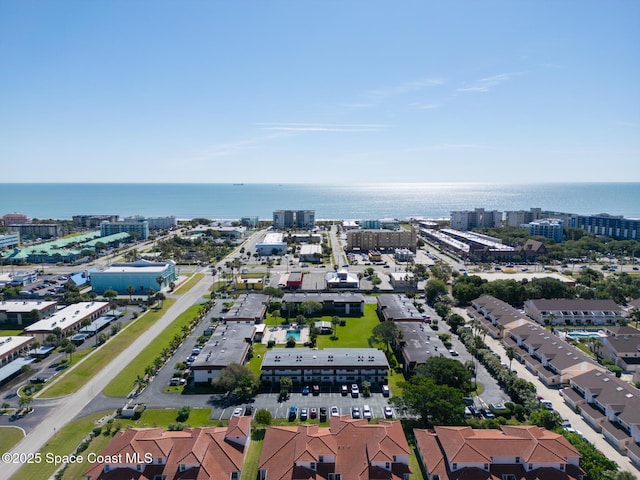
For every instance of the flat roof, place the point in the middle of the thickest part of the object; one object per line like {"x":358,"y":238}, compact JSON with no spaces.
{"x":13,"y":343}
{"x":416,"y":338}
{"x":326,"y":358}
{"x":398,"y":307}
{"x":323,"y":297}
{"x":228,"y":344}
{"x":68,"y":316}
{"x":272,"y":238}
{"x":247,"y":306}
{"x":25,"y":306}
{"x":14,"y":367}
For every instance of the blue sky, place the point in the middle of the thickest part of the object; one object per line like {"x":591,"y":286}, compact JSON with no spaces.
{"x":320,"y":91}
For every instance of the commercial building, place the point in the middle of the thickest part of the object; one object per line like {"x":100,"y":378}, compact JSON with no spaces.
{"x":468,"y":220}
{"x":249,"y":222}
{"x":69,"y":319}
{"x":33,"y":231}
{"x":25,"y":312}
{"x":341,"y":279}
{"x":214,"y":453}
{"x":294,"y":281}
{"x":381,"y":239}
{"x":140,"y":229}
{"x":272,"y":244}
{"x":341,"y":304}
{"x":326,"y":366}
{"x":248,"y":308}
{"x":548,"y":227}
{"x":513,"y":452}
{"x":285,"y":219}
{"x":574,"y":312}
{"x":347,"y":450}
{"x":143,"y":275}
{"x":310,"y":253}
{"x":229,"y":343}
{"x":13,"y":347}
{"x":402,"y":281}
{"x":404,"y":255}
{"x":20,"y":278}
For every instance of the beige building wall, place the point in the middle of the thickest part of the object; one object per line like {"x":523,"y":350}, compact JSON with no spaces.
{"x":381,"y":239}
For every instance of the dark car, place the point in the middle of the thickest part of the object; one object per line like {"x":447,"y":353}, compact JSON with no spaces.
{"x":313,"y":412}
{"x":323,"y":414}
{"x":315,"y":390}
{"x":305,"y":390}
{"x":293,"y":413}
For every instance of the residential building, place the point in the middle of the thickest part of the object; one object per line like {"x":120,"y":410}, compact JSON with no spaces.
{"x":328,"y":366}
{"x":416,"y":345}
{"x":9,"y":241}
{"x":34,"y":231}
{"x":13,"y":347}
{"x":69,"y":319}
{"x":25,"y":312}
{"x":520,"y":217}
{"x":350,"y":225}
{"x":341,"y":304}
{"x":214,"y":453}
{"x":229,"y":343}
{"x":247,"y":308}
{"x":622,"y":346}
{"x":143,"y":275}
{"x":285,"y":219}
{"x":366,"y":240}
{"x":546,"y":227}
{"x":271,"y":244}
{"x":341,"y":279}
{"x":610,"y":406}
{"x":397,"y":308}
{"x":92,"y":221}
{"x":15,"y":219}
{"x":468,"y":220}
{"x":140,"y":229}
{"x":347,"y":450}
{"x":249,"y":222}
{"x":155,"y":223}
{"x":574,"y":312}
{"x":404,"y":255}
{"x":610,"y":226}
{"x":513,"y":452}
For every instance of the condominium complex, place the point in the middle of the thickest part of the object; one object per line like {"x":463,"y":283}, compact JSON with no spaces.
{"x":283,"y":219}
{"x":139,"y":228}
{"x":33,"y":231}
{"x":466,"y":219}
{"x":381,"y":239}
{"x":548,"y":227}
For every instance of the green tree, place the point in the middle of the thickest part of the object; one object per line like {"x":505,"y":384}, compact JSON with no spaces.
{"x":434,"y":404}
{"x":130,"y":291}
{"x":310,"y":308}
{"x":434,"y":290}
{"x":160,"y":282}
{"x":511,"y":354}
{"x":238,"y":379}
{"x":69,"y":349}
{"x":546,"y":419}
{"x":263,"y":417}
{"x":387,"y":333}
{"x":110,"y":294}
{"x":446,"y":371}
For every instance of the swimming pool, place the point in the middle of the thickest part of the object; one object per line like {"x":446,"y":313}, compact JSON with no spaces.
{"x":293,"y":333}
{"x":576,"y":335}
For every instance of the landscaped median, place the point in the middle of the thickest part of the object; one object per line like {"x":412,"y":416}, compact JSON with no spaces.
{"x":124,"y":382}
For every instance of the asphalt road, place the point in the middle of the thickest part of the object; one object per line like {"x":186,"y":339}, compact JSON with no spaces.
{"x":69,"y":407}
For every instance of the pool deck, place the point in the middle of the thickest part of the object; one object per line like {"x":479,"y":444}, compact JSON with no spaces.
{"x":279,"y":334}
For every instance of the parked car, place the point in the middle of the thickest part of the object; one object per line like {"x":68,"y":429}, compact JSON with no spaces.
{"x":355,"y":391}
{"x":305,"y":390}
{"x":488,"y":413}
{"x":304,"y":414}
{"x":453,"y":353}
{"x":177,"y":381}
{"x":366,"y":412}
{"x":355,"y":412}
{"x":335,"y":412}
{"x":313,"y":413}
{"x":388,"y":412}
{"x":293,"y":413}
{"x":248,"y":411}
{"x":238,"y":412}
{"x":385,"y":391}
{"x":315,"y":390}
{"x":323,"y":414}
{"x":344,"y":390}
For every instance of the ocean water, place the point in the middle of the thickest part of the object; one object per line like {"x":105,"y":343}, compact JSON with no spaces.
{"x":363,"y":201}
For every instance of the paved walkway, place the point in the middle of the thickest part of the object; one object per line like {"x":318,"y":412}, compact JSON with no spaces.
{"x":68,"y":408}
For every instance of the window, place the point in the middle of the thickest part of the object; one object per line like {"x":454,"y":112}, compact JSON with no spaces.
{"x":387,"y":465}
{"x":263,"y":474}
{"x":486,"y":466}
{"x":335,"y":476}
{"x":454,"y":467}
{"x":562,"y":467}
{"x":183,"y":467}
{"x":321,"y":458}
{"x":517,"y":459}
{"x":234,"y":476}
{"x":106,"y":468}
{"x":531,"y":466}
{"x":138,"y":467}
{"x":313,"y":465}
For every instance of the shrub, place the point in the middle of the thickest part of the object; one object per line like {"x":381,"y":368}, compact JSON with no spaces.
{"x":183,"y":413}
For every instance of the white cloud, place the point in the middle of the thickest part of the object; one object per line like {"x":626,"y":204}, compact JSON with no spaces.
{"x":404,"y":88}
{"x":487,"y":83}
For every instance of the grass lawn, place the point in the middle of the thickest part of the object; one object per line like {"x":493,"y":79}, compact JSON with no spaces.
{"x":355,"y":334}
{"x":252,"y":458}
{"x":255,"y":363}
{"x":414,"y":465}
{"x":64,"y":442}
{"x":123,"y":383}
{"x":9,"y":437}
{"x":188,"y":285}
{"x":72,"y":380}
{"x":10,"y":333}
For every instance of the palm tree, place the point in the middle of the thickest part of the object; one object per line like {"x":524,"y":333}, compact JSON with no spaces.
{"x":635,"y":314}
{"x":139,"y":382}
{"x":511,"y":354}
{"x":130,"y":291}
{"x":160,"y":281}
{"x":596,"y":344}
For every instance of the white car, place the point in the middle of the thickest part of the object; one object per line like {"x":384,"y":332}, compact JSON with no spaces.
{"x":238,"y":412}
{"x":366,"y":412}
{"x":388,"y":412}
{"x":355,"y":391}
{"x":335,"y":412}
